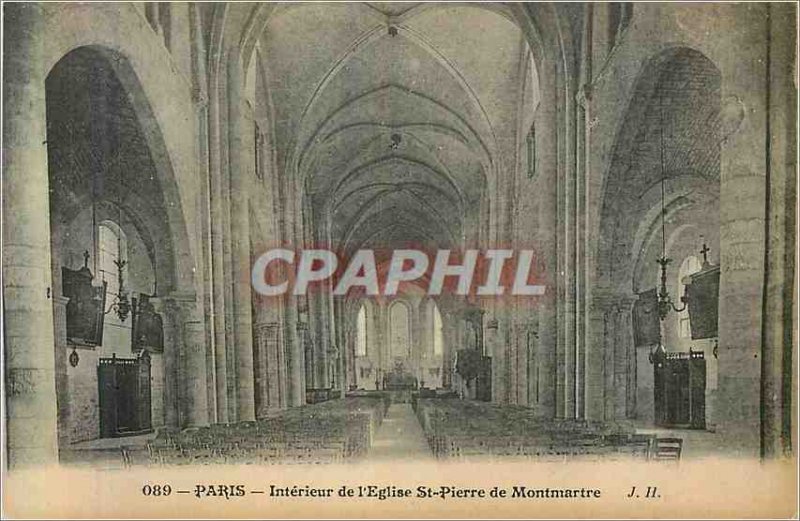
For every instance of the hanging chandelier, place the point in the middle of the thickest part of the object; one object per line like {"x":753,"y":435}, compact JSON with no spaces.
{"x":665,"y":303}
{"x":121,"y":304}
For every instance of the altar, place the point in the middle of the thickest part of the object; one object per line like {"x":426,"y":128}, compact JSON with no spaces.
{"x":400,"y":384}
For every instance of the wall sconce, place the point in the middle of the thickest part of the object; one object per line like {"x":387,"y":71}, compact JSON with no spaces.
{"x":74,"y":358}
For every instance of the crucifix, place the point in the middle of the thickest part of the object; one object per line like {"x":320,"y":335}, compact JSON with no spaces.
{"x":705,"y":251}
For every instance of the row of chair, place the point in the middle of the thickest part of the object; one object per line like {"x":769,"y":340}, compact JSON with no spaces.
{"x":327,"y":432}
{"x":463,"y":429}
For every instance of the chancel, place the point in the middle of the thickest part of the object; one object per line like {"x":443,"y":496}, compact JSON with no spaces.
{"x":639,"y":158}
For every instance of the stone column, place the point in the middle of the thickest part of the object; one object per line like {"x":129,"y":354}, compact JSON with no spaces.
{"x":205,"y":224}
{"x":320,"y":317}
{"x":416,"y":341}
{"x":61,"y":349}
{"x":173,"y":340}
{"x":31,"y":418}
{"x":596,"y":384}
{"x":352,"y":368}
{"x":304,"y":344}
{"x":505,"y":337}
{"x":193,"y":374}
{"x":295,"y":355}
{"x":240,"y":244}
{"x":612,"y":315}
{"x":625,"y":363}
{"x":743,"y":199}
{"x":280,"y":385}
{"x":494,"y":350}
{"x":547,"y":145}
{"x":185,"y":369}
{"x":381,"y":335}
{"x":519,"y":337}
{"x":341,"y":344}
{"x":778,"y":387}
{"x":582,"y":235}
{"x":269,"y":373}
{"x":546,"y":356}
{"x":448,"y":332}
{"x":531,"y":340}
{"x":261,"y":366}
{"x":216,"y":260}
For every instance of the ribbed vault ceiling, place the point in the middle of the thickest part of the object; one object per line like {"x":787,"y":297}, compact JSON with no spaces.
{"x":397,"y":116}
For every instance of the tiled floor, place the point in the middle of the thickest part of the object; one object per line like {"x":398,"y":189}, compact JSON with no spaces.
{"x":112,"y":443}
{"x":702,"y":443}
{"x":103,"y":453}
{"x":400,"y":437}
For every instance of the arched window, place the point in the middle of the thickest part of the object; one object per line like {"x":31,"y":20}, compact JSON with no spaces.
{"x":112,"y":248}
{"x":690,"y":265}
{"x":438,"y":342}
{"x":399,"y":325}
{"x":361,"y":332}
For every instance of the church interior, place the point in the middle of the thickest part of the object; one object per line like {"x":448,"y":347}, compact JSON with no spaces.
{"x":153,"y":151}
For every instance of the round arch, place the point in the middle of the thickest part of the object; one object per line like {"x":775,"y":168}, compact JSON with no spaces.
{"x":169,"y":248}
{"x":630,"y":212}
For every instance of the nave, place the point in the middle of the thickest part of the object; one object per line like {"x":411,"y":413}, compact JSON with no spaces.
{"x":154,"y":151}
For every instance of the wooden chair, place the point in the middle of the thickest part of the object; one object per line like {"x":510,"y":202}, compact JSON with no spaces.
{"x":668,"y":449}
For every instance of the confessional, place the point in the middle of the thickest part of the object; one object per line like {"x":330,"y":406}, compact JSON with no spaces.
{"x":680,"y":377}
{"x":124,"y":390}
{"x":680,"y":389}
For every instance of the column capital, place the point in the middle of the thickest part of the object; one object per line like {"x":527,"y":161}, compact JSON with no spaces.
{"x":178,"y":307}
